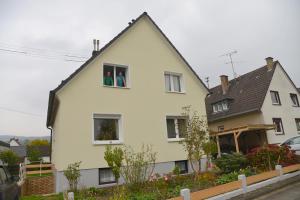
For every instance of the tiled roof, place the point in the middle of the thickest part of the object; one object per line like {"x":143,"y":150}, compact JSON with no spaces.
{"x":245,"y":94}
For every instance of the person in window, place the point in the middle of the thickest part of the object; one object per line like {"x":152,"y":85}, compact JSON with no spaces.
{"x":108,"y":80}
{"x":121,"y":80}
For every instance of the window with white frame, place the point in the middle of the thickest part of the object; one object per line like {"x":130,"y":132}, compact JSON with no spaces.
{"x":220,"y":106}
{"x":278,"y":126}
{"x":106,"y":127}
{"x":176,"y":127}
{"x":294,"y":99}
{"x":220,"y":128}
{"x":297,"y":120}
{"x":275,"y":98}
{"x":173,"y":82}
{"x":106,"y":176}
{"x":182,"y":165}
{"x":115,"y":75}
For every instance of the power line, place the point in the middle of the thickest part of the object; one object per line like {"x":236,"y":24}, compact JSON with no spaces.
{"x":21,"y":112}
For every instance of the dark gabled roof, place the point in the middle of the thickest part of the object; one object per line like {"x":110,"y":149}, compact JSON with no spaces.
{"x":52,"y":92}
{"x":4,"y":144}
{"x":245,"y":94}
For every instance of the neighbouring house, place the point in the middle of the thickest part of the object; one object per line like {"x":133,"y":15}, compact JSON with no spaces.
{"x":4,"y":146}
{"x":130,"y":92}
{"x":22,"y":153}
{"x":257,"y":108}
{"x":13,"y":142}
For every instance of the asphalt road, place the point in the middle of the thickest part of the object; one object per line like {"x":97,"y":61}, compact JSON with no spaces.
{"x":289,"y":192}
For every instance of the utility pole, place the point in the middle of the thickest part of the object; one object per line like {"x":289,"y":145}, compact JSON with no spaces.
{"x":231,"y":62}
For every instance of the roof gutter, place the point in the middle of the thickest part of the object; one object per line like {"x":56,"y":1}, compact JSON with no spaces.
{"x":234,"y":115}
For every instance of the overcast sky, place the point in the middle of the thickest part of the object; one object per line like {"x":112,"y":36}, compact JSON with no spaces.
{"x":43,"y":32}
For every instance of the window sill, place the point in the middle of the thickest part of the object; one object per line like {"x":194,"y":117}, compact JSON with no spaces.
{"x":279,"y":133}
{"x":276,"y":104}
{"x":108,"y":184}
{"x":107,"y":86}
{"x":104,"y":142}
{"x":175,"y":139}
{"x":174,"y":92}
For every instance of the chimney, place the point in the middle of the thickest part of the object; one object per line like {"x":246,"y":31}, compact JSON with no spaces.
{"x":269,"y":61}
{"x":96,"y":46}
{"x":224,"y":83}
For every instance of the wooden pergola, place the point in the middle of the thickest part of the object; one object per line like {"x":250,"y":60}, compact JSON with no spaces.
{"x":238,"y":131}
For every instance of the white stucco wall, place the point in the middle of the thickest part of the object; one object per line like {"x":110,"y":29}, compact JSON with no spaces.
{"x":285,"y":111}
{"x":143,"y":107}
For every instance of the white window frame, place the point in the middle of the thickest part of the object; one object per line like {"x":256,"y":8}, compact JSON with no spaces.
{"x":277,"y":97}
{"x":127,"y":75}
{"x":177,"y":138}
{"x":108,"y":116}
{"x":281,"y":126}
{"x":294,"y":95}
{"x":297,"y":120}
{"x":181,"y":82}
{"x":220,"y":106}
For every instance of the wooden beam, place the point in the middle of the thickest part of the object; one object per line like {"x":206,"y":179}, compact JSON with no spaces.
{"x":218,"y":145}
{"x":236,"y":142}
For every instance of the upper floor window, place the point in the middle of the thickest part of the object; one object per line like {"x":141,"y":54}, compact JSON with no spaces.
{"x":275,"y":97}
{"x":298,"y":124}
{"x":173,"y":82}
{"x":107,"y":129}
{"x":220,"y":106}
{"x":278,"y":126}
{"x":294,"y":99}
{"x":115,"y":75}
{"x":221,"y":128}
{"x":176,"y":127}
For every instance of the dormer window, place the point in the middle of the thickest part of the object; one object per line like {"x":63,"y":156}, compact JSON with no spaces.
{"x":220,"y":106}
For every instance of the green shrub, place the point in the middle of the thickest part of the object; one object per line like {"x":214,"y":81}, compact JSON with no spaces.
{"x":114,"y":159}
{"x":9,"y":157}
{"x":231,"y":162}
{"x":233,"y":176}
{"x":72,"y":173}
{"x":266,"y":157}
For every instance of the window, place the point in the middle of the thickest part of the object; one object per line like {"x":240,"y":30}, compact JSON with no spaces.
{"x":176,"y":127}
{"x":279,"y":127}
{"x":294,"y":99}
{"x":220,"y":128}
{"x":220,"y":106}
{"x":173,"y":82}
{"x":298,"y":125}
{"x":106,"y":128}
{"x":115,"y":75}
{"x":183,"y":166}
{"x":106,"y":176}
{"x":275,"y":98}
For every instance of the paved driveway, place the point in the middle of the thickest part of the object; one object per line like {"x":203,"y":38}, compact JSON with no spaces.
{"x":289,"y":192}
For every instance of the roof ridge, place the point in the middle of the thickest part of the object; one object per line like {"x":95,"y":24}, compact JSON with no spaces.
{"x":243,"y":75}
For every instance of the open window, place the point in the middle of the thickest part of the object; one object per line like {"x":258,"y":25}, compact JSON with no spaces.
{"x":294,"y":99}
{"x":115,"y":75}
{"x":275,"y":98}
{"x":278,"y":126}
{"x":107,"y":129}
{"x":297,"y":120}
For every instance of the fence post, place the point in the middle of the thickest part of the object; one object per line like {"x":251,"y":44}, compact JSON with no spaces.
{"x":242,"y":178}
{"x":70,"y":196}
{"x":185,"y":193}
{"x":280,"y":172}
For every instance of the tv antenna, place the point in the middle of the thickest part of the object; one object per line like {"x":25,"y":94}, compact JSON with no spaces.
{"x":207,"y":81}
{"x":231,"y":62}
